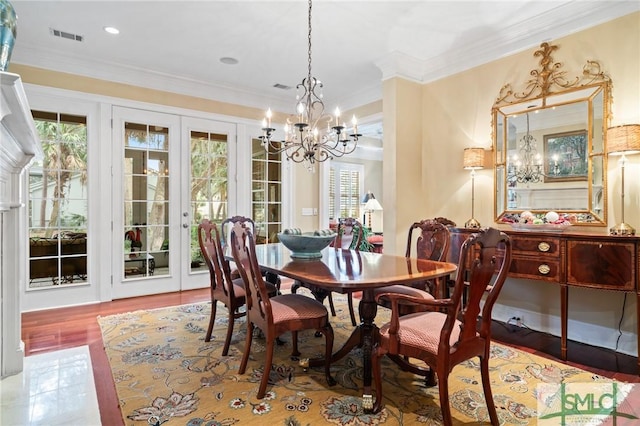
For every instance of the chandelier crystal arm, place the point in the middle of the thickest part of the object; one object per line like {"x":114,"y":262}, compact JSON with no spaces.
{"x":306,"y":140}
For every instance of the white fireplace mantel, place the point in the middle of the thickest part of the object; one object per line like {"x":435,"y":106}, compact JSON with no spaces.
{"x":19,"y":146}
{"x":19,"y":142}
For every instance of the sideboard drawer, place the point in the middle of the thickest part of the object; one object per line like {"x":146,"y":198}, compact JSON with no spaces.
{"x":536,"y":269}
{"x":602,"y":264}
{"x":547,"y":246}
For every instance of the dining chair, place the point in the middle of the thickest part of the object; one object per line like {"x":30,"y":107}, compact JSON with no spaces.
{"x":349,"y":236}
{"x":275,"y":315}
{"x":445,"y":336}
{"x":427,"y":239}
{"x":224,"y":287}
{"x":226,"y":224}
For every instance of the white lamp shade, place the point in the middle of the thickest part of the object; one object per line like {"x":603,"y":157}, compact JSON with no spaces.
{"x":372,"y":204}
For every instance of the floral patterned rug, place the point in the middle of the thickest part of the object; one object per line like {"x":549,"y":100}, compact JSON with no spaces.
{"x":165,"y":373}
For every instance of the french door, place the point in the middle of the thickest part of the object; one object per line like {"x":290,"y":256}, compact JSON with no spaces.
{"x":169,"y":172}
{"x":207,"y":192}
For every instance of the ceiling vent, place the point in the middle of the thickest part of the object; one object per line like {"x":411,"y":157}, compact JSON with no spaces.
{"x":281,"y":86}
{"x":64,"y":34}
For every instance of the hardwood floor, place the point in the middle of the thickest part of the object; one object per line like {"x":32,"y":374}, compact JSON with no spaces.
{"x":56,"y":329}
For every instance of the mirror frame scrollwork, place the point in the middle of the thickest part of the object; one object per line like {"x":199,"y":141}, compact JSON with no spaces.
{"x":550,"y":87}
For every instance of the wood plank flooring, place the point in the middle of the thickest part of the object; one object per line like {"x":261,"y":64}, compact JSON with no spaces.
{"x":56,"y":329}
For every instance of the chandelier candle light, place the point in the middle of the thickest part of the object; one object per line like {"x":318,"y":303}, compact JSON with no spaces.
{"x":311,"y":135}
{"x":527,"y":168}
{"x":623,"y":140}
{"x":473,"y":160}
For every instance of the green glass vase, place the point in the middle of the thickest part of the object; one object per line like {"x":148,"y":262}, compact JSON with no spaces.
{"x":8,"y":29}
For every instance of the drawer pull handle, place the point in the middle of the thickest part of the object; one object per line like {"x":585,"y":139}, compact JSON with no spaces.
{"x":544,"y":246}
{"x":544,"y":269}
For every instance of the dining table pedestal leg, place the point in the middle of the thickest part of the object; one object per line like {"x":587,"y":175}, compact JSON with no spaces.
{"x":364,"y":336}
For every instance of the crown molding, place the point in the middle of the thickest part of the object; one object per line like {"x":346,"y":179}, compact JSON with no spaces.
{"x":400,"y":64}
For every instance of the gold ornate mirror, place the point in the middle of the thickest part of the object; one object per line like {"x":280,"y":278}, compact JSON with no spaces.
{"x":549,"y":143}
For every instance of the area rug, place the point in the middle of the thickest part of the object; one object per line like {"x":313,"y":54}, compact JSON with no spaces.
{"x":165,"y":371}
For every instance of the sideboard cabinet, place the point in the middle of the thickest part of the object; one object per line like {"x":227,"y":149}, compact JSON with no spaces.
{"x":571,"y":258}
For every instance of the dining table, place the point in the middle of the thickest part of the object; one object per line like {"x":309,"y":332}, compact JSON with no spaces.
{"x":344,"y":271}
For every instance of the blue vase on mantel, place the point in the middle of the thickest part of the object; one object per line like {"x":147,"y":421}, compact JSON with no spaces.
{"x":8,"y":20}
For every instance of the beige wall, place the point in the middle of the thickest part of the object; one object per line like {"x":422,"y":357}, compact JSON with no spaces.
{"x":404,"y":170}
{"x":457,"y":115}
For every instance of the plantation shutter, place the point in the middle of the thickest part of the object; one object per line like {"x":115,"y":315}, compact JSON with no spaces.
{"x":345,"y":188}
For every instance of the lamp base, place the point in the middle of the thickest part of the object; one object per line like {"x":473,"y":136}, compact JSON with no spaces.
{"x":472,"y":223}
{"x":622,"y":229}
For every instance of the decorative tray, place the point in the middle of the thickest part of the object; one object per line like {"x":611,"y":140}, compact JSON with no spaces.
{"x":544,"y":227}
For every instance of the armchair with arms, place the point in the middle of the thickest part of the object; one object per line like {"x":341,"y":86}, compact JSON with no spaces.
{"x":448,"y":335}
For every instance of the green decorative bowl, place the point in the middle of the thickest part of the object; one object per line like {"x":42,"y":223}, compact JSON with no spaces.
{"x":305,"y":245}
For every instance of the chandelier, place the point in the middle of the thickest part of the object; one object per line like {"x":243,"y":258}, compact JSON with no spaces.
{"x":311,"y":135}
{"x":527,"y":166}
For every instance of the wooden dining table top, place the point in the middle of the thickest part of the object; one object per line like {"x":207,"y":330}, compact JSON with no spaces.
{"x":350,"y":270}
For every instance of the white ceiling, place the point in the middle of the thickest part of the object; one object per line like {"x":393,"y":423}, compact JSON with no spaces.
{"x":177,"y":45}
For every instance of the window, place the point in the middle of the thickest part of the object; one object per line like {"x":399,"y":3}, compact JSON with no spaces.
{"x":266,"y":192}
{"x":58,"y":204}
{"x":345,"y":190}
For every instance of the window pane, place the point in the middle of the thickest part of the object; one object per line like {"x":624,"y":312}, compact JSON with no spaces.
{"x":58,"y":204}
{"x":266,"y":174}
{"x":209,"y":198}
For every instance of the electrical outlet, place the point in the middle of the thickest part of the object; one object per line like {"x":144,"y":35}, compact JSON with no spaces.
{"x":517,"y":319}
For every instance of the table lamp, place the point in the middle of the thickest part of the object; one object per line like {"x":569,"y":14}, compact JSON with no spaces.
{"x":473,"y":160}
{"x":623,"y":140}
{"x":370,"y":205}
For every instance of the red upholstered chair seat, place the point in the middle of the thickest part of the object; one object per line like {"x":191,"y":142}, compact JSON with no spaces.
{"x":375,"y":239}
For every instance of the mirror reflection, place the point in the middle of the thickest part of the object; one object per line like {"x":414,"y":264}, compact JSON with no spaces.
{"x":550,"y":147}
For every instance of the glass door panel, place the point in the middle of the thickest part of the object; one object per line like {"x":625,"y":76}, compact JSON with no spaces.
{"x":207,"y":195}
{"x":146,"y":192}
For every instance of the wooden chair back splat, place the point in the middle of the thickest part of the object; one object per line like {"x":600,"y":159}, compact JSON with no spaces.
{"x":432,"y":243}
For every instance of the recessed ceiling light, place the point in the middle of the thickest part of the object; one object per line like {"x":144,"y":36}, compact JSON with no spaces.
{"x":112,"y":30}
{"x":228,"y":60}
